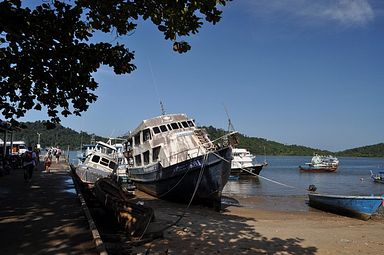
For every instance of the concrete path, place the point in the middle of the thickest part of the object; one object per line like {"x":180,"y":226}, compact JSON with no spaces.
{"x":43,"y":216}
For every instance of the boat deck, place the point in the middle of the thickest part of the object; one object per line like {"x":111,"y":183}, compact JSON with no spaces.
{"x":43,"y":216}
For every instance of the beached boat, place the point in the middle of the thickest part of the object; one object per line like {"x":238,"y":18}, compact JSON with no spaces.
{"x":97,"y":164}
{"x":362,"y":207}
{"x":170,"y":158}
{"x":378,"y":177}
{"x":321,"y":164}
{"x":244,"y":163}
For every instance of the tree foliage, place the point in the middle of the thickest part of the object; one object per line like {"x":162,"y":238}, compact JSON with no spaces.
{"x":47,"y":59}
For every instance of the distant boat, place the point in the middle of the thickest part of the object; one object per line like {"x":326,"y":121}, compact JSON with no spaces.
{"x":321,"y":164}
{"x":362,"y":207}
{"x":170,"y":158}
{"x":378,"y":177}
{"x":243,"y":163}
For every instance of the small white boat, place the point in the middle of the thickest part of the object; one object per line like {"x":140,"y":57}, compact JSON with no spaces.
{"x":244,"y":163}
{"x":321,"y":164}
{"x":97,"y":164}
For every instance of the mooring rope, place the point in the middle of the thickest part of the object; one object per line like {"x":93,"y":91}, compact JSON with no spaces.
{"x":262,"y":177}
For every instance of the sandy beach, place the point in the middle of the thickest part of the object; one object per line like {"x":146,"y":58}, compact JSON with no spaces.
{"x":253,"y":230}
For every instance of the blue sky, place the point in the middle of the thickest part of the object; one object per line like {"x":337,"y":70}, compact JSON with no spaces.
{"x":297,"y":72}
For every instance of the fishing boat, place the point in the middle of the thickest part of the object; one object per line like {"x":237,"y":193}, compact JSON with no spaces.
{"x":244,"y":163}
{"x":378,"y":177}
{"x":362,"y":207}
{"x":321,"y":163}
{"x":97,"y":164}
{"x":170,"y":158}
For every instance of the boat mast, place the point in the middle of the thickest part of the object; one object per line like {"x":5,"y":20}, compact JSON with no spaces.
{"x":162,"y":108}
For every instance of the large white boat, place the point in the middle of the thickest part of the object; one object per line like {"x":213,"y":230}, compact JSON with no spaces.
{"x":321,"y":163}
{"x":170,"y":158}
{"x":244,"y":163}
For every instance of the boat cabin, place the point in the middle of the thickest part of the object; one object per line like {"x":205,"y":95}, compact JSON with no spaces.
{"x":99,"y":160}
{"x":168,"y":138}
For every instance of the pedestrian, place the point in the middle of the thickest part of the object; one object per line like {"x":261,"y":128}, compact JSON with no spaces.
{"x":47,"y":161}
{"x":29,"y":163}
{"x":58,"y":153}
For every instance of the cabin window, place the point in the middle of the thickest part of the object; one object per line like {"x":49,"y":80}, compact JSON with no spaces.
{"x":146,"y":135}
{"x":169,"y":127}
{"x":138,"y":160}
{"x":155,"y":153}
{"x":190,"y":123}
{"x":185,"y":124}
{"x":156,"y":130}
{"x":174,"y":126}
{"x":146,"y":157}
{"x":112,"y":165}
{"x":163,"y":128}
{"x":95,"y":158}
{"x":137,"y":139}
{"x":104,"y":162}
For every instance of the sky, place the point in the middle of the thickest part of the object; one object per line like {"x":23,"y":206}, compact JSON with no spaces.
{"x":296,"y":72}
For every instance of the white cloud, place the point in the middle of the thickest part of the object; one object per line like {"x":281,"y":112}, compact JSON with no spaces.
{"x":343,"y":12}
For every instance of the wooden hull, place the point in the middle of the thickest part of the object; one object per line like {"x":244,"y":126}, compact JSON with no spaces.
{"x":361,"y":207}
{"x":179,"y":182}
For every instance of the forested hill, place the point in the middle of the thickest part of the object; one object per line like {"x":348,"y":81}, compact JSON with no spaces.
{"x":261,"y":146}
{"x":376,"y":150}
{"x":64,"y":137}
{"x":59,"y":136}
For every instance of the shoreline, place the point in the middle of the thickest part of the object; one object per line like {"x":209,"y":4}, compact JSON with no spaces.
{"x":254,"y":229}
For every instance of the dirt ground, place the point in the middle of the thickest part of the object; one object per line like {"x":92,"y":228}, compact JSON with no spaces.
{"x":250,"y":230}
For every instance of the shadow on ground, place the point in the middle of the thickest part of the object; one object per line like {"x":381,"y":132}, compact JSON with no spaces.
{"x":204,"y":231}
{"x":43,"y":216}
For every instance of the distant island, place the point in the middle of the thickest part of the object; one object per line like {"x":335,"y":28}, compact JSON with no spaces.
{"x":70,"y":139}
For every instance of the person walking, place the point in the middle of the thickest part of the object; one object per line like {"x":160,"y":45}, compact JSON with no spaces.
{"x":47,"y":161}
{"x":58,"y":153}
{"x":29,"y":163}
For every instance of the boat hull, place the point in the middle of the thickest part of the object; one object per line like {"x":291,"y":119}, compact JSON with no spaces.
{"x":178,"y":182}
{"x":251,"y":171}
{"x":361,"y":207}
{"x":313,"y":169}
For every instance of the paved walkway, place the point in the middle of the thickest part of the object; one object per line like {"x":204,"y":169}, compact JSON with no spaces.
{"x":43,"y":216}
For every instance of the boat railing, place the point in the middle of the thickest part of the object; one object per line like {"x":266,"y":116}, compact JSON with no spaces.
{"x":183,"y":155}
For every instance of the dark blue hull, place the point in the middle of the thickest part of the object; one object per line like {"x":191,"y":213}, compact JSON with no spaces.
{"x":356,"y":206}
{"x":178,"y":182}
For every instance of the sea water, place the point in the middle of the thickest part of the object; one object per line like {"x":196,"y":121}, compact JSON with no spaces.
{"x":282,"y":185}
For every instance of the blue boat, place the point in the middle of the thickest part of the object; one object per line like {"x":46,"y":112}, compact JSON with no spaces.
{"x":362,"y":207}
{"x":378,"y":177}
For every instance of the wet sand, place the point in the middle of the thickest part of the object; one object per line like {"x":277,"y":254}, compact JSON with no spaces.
{"x":259,"y":227}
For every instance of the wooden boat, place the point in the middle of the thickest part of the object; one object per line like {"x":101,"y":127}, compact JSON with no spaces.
{"x":378,"y":177}
{"x":320,"y":164}
{"x":135,"y":218}
{"x":361,"y":207}
{"x":170,"y":158}
{"x":243,"y":163}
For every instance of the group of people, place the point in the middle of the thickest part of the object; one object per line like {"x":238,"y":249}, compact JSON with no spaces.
{"x":51,"y":152}
{"x":31,"y":160}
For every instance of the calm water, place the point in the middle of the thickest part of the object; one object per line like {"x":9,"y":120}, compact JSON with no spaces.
{"x":351,"y":178}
